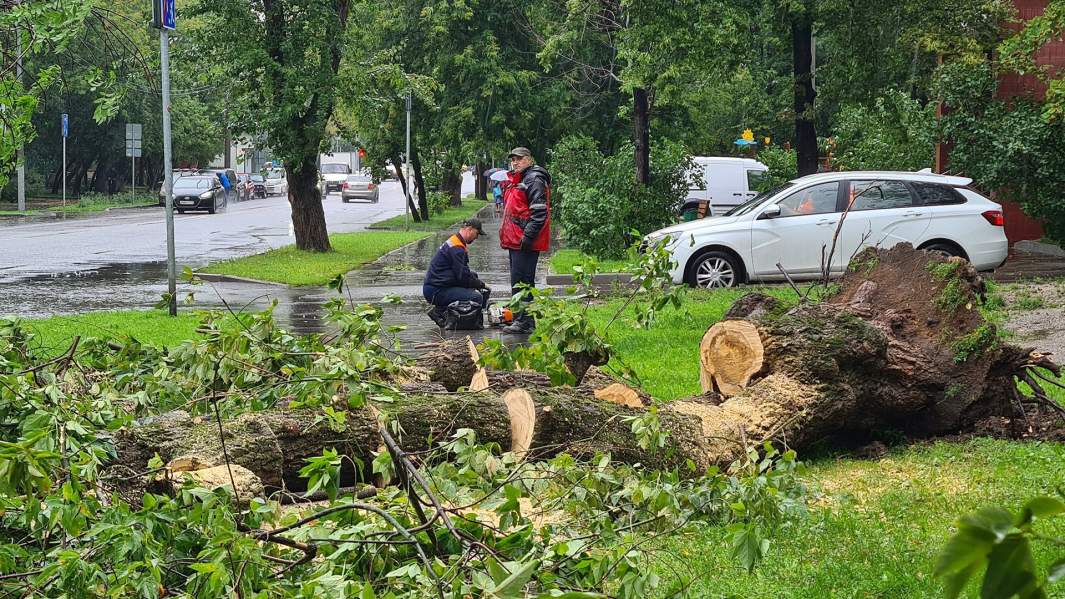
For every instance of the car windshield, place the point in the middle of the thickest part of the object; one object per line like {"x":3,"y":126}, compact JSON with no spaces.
{"x":754,"y":202}
{"x":193,"y":183}
{"x":334,"y":169}
{"x":273,"y":175}
{"x":358,"y":178}
{"x":257,"y":178}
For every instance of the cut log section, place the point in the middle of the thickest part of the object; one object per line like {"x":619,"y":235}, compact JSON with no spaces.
{"x":730,"y":354}
{"x":522,"y":413}
{"x":452,"y":363}
{"x":621,"y":394}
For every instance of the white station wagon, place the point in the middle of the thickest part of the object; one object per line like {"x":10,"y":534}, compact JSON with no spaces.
{"x":794,"y":225}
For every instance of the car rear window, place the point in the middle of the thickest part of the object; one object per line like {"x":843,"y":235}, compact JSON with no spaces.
{"x":933,"y":194}
{"x":334,"y":169}
{"x":359,"y":178}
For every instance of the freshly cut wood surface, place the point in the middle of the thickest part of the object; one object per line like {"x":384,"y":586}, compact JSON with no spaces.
{"x":730,"y":354}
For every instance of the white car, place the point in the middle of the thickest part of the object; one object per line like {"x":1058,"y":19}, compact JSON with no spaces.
{"x":276,"y":183}
{"x":724,"y":183}
{"x":334,"y":174}
{"x":794,"y":226}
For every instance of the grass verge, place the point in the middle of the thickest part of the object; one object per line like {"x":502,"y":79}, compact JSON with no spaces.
{"x":448,"y":218}
{"x":152,"y":327}
{"x":291,"y":266}
{"x":87,"y":203}
{"x":563,"y":261}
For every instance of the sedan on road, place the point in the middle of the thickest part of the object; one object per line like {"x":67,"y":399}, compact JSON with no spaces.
{"x":359,"y":187}
{"x":199,"y":192}
{"x":276,"y":183}
{"x":793,"y":227}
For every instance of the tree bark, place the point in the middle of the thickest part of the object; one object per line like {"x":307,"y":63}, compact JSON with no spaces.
{"x":419,"y":183}
{"x":481,"y":183}
{"x":308,"y":216}
{"x":452,"y":183}
{"x":641,"y":135}
{"x":802,"y":60}
{"x":411,"y":207}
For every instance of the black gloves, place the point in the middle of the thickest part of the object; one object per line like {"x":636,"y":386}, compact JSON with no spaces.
{"x":526,"y":244}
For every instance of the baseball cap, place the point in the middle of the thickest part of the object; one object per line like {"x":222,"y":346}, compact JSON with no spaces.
{"x":475,"y":223}
{"x":519,"y":151}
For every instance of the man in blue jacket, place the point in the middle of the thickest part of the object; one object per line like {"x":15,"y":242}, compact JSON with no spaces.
{"x":449,"y":278}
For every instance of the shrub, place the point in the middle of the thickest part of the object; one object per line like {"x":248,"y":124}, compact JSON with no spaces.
{"x":598,"y":201}
{"x":437,"y":201}
{"x":896,"y":133}
{"x":783,"y":166}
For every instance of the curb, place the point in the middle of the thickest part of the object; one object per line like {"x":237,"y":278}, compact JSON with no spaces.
{"x":600,"y":280}
{"x":1038,"y":247}
{"x":218,"y":278}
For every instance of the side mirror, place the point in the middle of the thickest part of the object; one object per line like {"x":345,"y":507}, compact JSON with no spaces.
{"x":770,"y":212}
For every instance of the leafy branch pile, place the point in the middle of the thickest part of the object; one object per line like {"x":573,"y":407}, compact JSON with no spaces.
{"x":462,"y":518}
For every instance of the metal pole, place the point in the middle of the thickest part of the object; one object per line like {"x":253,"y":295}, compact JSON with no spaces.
{"x":406,"y":171}
{"x":64,"y":175}
{"x":133,"y":173}
{"x":20,"y":156}
{"x":168,"y":173}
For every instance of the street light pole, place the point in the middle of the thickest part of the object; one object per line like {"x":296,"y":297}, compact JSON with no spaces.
{"x":168,"y":172}
{"x":20,"y":156}
{"x":406,"y":170}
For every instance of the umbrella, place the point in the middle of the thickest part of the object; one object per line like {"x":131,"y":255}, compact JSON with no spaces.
{"x":499,"y":175}
{"x":745,"y":142}
{"x":491,"y":171}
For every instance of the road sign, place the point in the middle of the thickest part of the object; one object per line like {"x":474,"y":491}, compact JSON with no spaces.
{"x":66,"y":128}
{"x":134,"y":142}
{"x":164,"y":14}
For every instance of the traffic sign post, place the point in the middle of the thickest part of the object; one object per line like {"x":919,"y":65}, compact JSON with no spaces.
{"x":164,"y":18}
{"x":133,"y":150}
{"x":66,"y":132}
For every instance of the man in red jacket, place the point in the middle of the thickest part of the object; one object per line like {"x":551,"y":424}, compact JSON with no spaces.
{"x":526,"y":227}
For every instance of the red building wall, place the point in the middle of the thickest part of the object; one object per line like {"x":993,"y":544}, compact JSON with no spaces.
{"x":1019,"y":226}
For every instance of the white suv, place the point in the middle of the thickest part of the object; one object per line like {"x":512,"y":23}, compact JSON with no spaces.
{"x":794,"y":226}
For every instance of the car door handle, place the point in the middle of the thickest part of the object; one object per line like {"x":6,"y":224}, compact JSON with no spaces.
{"x":738,"y":195}
{"x":913,"y":213}
{"x":825,"y":222}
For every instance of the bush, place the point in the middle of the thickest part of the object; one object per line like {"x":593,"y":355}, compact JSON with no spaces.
{"x":598,"y":202}
{"x":783,"y":167}
{"x":1005,"y":146}
{"x":437,"y":201}
{"x":895,"y":134}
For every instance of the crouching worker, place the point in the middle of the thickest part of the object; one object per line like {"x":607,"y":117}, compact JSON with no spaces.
{"x":449,"y":278}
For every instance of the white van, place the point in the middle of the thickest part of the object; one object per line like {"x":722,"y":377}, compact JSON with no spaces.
{"x":727,"y":183}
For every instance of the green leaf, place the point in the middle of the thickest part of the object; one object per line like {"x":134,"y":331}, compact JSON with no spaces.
{"x":955,"y":582}
{"x":747,"y":545}
{"x":1042,"y":507}
{"x":1010,"y":569}
{"x":512,"y":585}
{"x":966,"y":548}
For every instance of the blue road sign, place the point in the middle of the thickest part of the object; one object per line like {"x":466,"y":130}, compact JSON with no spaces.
{"x":66,"y":129}
{"x":169,"y":15}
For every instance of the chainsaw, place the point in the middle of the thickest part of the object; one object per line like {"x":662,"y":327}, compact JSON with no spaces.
{"x":499,"y":315}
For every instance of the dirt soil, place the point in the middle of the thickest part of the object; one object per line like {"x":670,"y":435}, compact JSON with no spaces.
{"x":1037,"y":315}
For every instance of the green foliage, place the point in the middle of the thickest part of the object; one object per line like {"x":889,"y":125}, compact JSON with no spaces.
{"x":1003,"y":145}
{"x":895,"y":133}
{"x":783,"y":166}
{"x":584,"y":538}
{"x":438,"y":202}
{"x":998,"y":543}
{"x":598,"y":201}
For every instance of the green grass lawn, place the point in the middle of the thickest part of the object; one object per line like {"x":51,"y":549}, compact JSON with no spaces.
{"x":88,"y":203}
{"x":563,"y":261}
{"x":296,"y":267}
{"x":450,"y":217}
{"x":154,"y":327}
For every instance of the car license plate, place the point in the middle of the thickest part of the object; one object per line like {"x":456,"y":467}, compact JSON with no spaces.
{"x":187,"y":202}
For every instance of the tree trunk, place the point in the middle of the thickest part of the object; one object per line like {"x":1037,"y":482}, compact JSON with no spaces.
{"x":419,"y":184}
{"x":308,"y":216}
{"x":641,"y":135}
{"x":412,"y":209}
{"x":452,"y":183}
{"x":482,"y":183}
{"x":802,"y":61}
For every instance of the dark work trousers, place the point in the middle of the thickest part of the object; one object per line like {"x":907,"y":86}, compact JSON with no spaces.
{"x":447,"y":295}
{"x":522,"y":268}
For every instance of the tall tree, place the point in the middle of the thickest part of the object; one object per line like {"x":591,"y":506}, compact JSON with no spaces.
{"x":287,"y":54}
{"x":802,"y":27}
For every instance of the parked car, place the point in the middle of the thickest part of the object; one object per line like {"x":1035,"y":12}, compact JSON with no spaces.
{"x":233,"y":194}
{"x":259,"y":186}
{"x":359,"y":187}
{"x":199,"y":192}
{"x":177,"y":174}
{"x":724,"y":183}
{"x":333,"y":175}
{"x":276,"y":183}
{"x":794,"y":226}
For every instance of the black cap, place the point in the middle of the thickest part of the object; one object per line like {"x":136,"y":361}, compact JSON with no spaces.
{"x":520,"y":151}
{"x":475,"y":223}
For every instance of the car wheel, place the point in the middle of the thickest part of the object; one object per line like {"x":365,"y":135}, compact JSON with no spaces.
{"x":714,"y":269}
{"x":343,"y":199}
{"x":211,"y":208}
{"x":180,"y":211}
{"x":946,"y":248}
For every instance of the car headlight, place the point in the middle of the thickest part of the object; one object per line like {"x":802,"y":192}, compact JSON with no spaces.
{"x":206,"y":195}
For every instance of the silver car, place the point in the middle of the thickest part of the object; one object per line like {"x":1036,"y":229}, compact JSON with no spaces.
{"x":359,"y":187}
